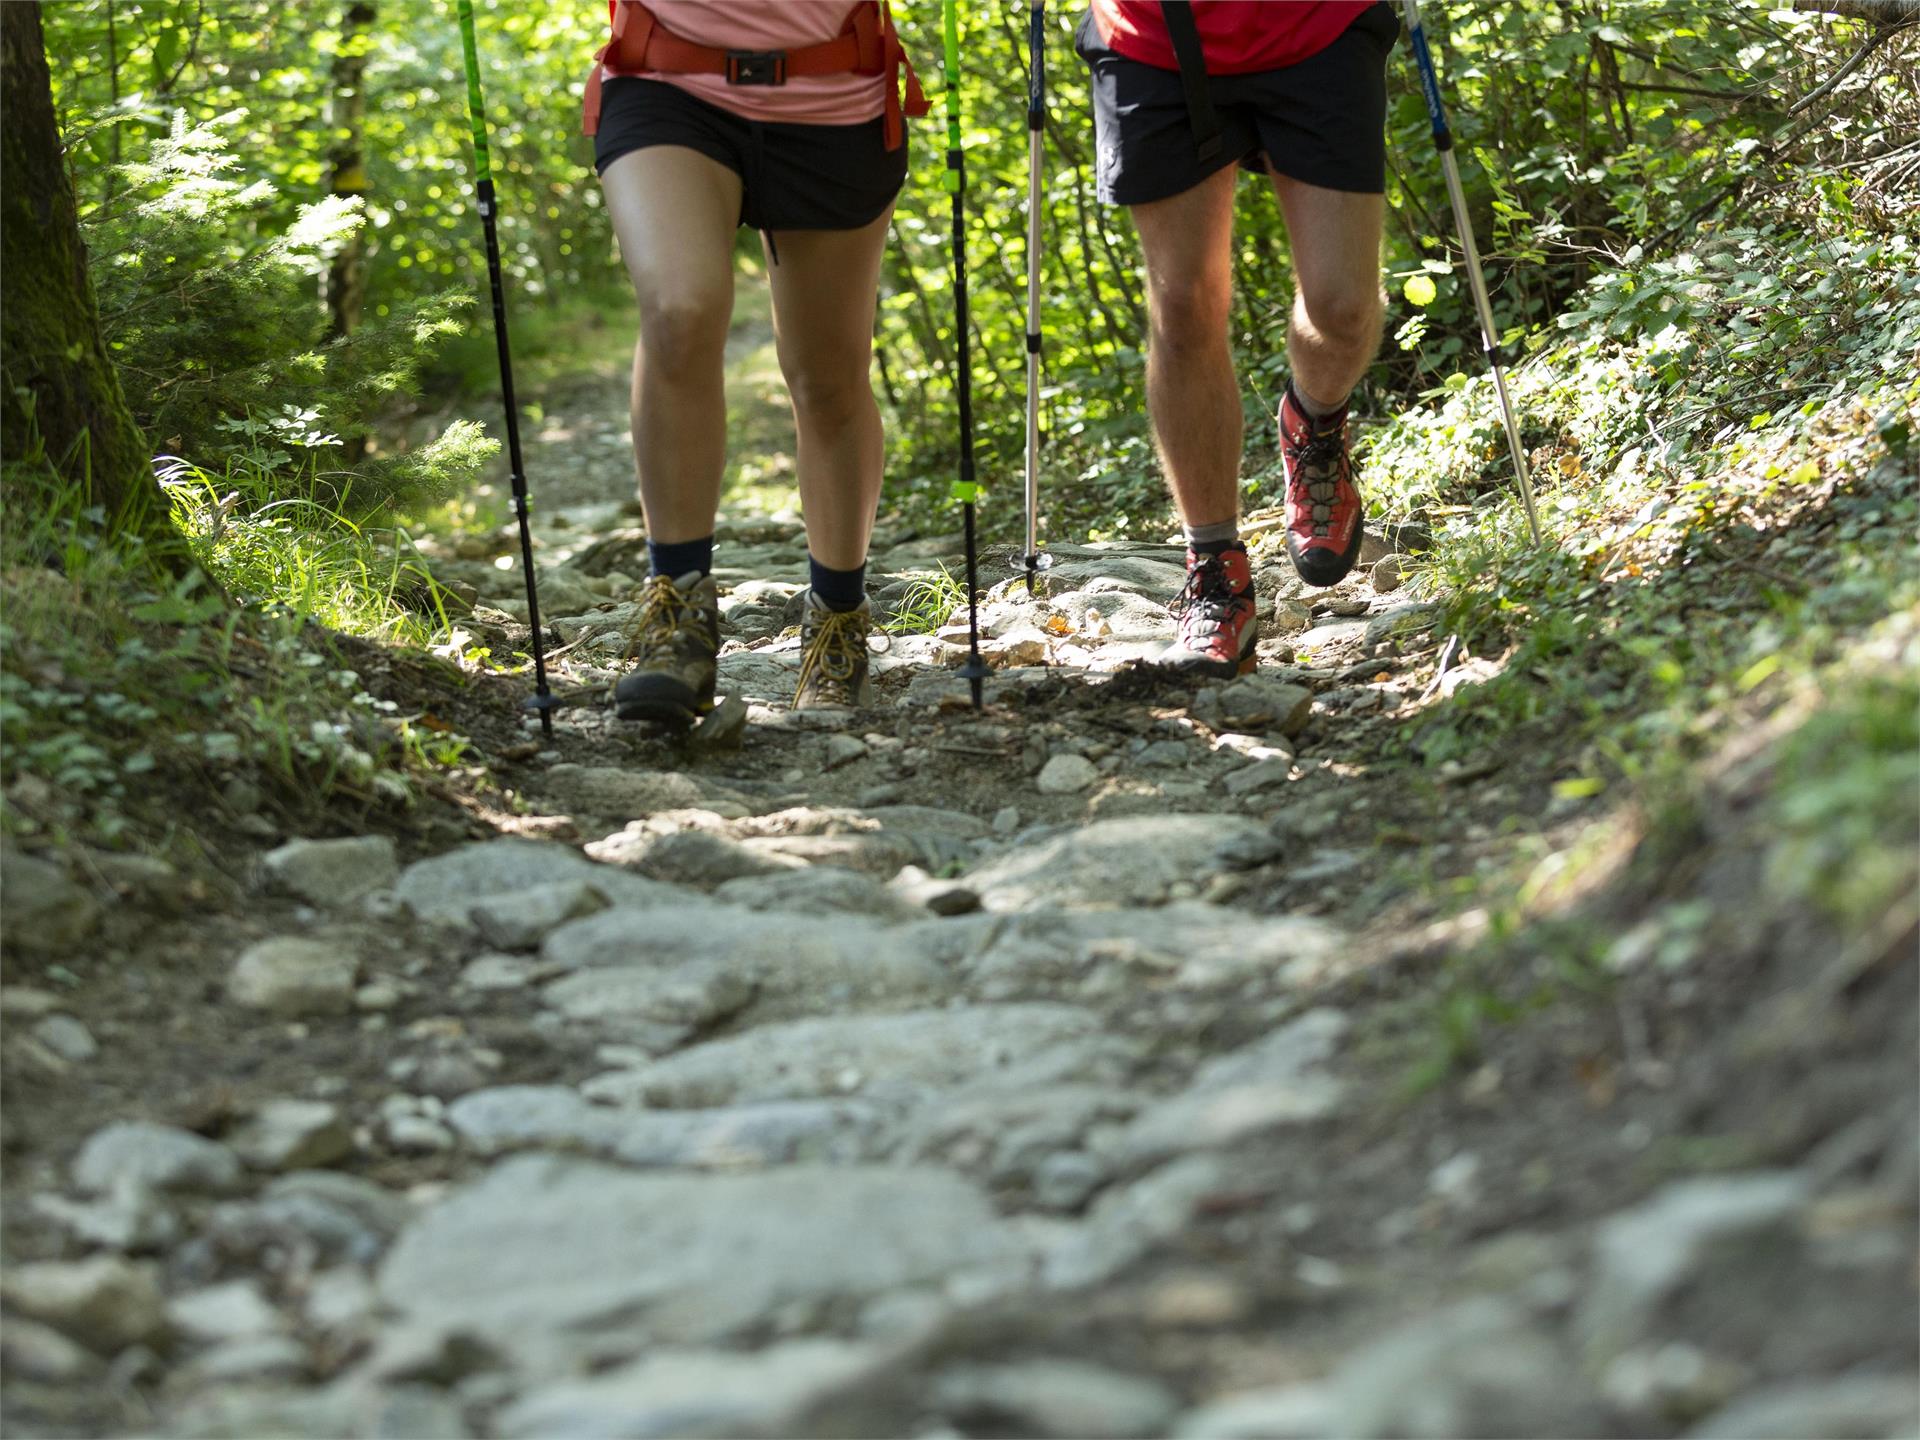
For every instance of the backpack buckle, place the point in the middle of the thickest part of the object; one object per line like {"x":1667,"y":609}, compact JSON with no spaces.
{"x":756,"y":67}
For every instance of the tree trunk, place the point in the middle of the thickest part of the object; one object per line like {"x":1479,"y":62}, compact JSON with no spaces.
{"x":56,"y":378}
{"x":347,"y":164}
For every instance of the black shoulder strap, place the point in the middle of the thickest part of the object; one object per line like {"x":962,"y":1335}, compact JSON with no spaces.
{"x":1185,"y":36}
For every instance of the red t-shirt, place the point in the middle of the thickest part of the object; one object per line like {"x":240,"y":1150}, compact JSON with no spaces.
{"x":1238,"y":37}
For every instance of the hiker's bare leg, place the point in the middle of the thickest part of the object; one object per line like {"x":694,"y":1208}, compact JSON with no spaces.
{"x":1335,"y":330}
{"x":1193,"y":395}
{"x":824,"y":290}
{"x":675,"y":211}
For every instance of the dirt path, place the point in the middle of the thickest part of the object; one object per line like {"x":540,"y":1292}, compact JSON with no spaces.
{"x":1038,"y":1071}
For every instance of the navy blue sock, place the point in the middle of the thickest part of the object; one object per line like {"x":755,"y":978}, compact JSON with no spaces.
{"x":677,"y":558}
{"x":838,"y":589}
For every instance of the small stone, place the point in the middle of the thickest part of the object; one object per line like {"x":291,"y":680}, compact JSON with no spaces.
{"x":104,"y":1302}
{"x":332,"y":873}
{"x":417,"y":1135}
{"x":844,"y":750}
{"x":1047,"y":1397}
{"x":29,"y":1351}
{"x":293,"y":1135}
{"x":1387,"y":574}
{"x":1257,"y":702}
{"x":378,"y":997}
{"x":249,"y":1358}
{"x":1066,"y":774}
{"x":942,"y":897}
{"x":130,"y":1218}
{"x":521,"y":919}
{"x":1006,"y":820}
{"x":498,"y":972}
{"x":25,"y":1002}
{"x":160,"y":1156}
{"x":223,"y":1312}
{"x":693,"y":857}
{"x":1261,"y":775}
{"x":721,"y":727}
{"x":292,"y":978}
{"x":47,"y":913}
{"x":67,"y":1038}
{"x":1290,"y":617}
{"x":448,"y":1076}
{"x":1065,"y":1180}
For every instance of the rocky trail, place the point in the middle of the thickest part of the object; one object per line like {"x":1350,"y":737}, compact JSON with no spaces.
{"x":1039,"y":1071}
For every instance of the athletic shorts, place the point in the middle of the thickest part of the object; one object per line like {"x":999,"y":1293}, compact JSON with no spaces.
{"x":1322,"y":121}
{"x":793,"y":177}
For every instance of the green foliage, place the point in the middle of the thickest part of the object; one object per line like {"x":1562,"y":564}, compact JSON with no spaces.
{"x":928,"y":603}
{"x":212,"y":311}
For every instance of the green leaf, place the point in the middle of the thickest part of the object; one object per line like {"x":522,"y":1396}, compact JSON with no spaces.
{"x":1419,"y":290}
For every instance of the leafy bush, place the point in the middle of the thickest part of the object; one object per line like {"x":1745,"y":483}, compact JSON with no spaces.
{"x":215,"y":318}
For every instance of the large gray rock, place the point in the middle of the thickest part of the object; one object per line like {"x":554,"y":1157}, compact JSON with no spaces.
{"x":332,"y":873}
{"x":105,"y":1302}
{"x":793,"y":962}
{"x":909,"y":1053}
{"x":521,"y":919}
{"x":1064,"y":1398}
{"x":130,"y":1217}
{"x":1186,"y":944}
{"x":1478,"y":1368}
{"x":554,"y":1117}
{"x":1279,"y":1080}
{"x":697,"y":858}
{"x":616,"y":793}
{"x":540,"y":1246}
{"x":292,"y":977}
{"x":447,"y":887}
{"x":1869,"y":1407}
{"x":345,"y":1410}
{"x":47,"y":913}
{"x":1136,"y":860}
{"x":820,"y":890}
{"x":231,"y":1310}
{"x":1152,"y":577}
{"x":158,"y":1157}
{"x":696,"y":1393}
{"x":1643,"y":1255}
{"x":693,"y":993}
{"x":341,"y":1217}
{"x":1125,"y":1223}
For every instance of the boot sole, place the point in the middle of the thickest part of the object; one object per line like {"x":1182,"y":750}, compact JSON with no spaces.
{"x":1347,"y":560}
{"x":662,"y":703}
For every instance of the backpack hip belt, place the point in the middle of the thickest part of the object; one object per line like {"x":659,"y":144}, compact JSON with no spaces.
{"x":869,"y":45}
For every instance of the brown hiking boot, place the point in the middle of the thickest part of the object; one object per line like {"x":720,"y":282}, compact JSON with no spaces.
{"x":833,"y":657}
{"x":674,"y":644}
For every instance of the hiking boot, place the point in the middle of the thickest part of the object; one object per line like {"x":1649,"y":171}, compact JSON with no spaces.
{"x":674,"y":644}
{"x":833,"y":657}
{"x":1323,"y":505}
{"x":1219,"y":621}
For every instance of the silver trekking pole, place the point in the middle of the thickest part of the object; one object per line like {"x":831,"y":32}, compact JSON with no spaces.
{"x":1036,"y":560}
{"x":1489,"y":338}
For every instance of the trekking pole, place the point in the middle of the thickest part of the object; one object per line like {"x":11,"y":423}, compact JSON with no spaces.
{"x":1489,"y":337}
{"x":965,"y":489}
{"x":483,"y":191}
{"x":1036,"y":560}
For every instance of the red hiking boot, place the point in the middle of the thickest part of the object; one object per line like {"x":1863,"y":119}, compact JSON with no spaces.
{"x":1323,"y":504}
{"x":1219,"y":621}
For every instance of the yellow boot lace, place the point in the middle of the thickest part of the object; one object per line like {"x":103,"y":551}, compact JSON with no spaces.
{"x":831,"y":661}
{"x":665,"y":611}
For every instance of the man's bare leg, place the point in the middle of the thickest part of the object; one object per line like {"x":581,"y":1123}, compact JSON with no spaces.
{"x":1334,"y":332}
{"x":1193,"y":395}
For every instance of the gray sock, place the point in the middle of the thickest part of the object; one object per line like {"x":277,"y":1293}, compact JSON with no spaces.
{"x":1314,"y":408}
{"x":1212,"y":539}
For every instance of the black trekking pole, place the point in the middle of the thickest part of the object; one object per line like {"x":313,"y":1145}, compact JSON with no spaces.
{"x":965,"y":489}
{"x":1489,"y":337}
{"x":1036,"y":560}
{"x":543,"y":700}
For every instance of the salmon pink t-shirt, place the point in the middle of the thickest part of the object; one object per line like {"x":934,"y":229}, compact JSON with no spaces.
{"x":847,"y":99}
{"x":1238,"y":37}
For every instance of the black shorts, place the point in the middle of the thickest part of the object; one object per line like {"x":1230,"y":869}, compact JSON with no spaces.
{"x":1322,"y":121}
{"x":793,"y":177}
